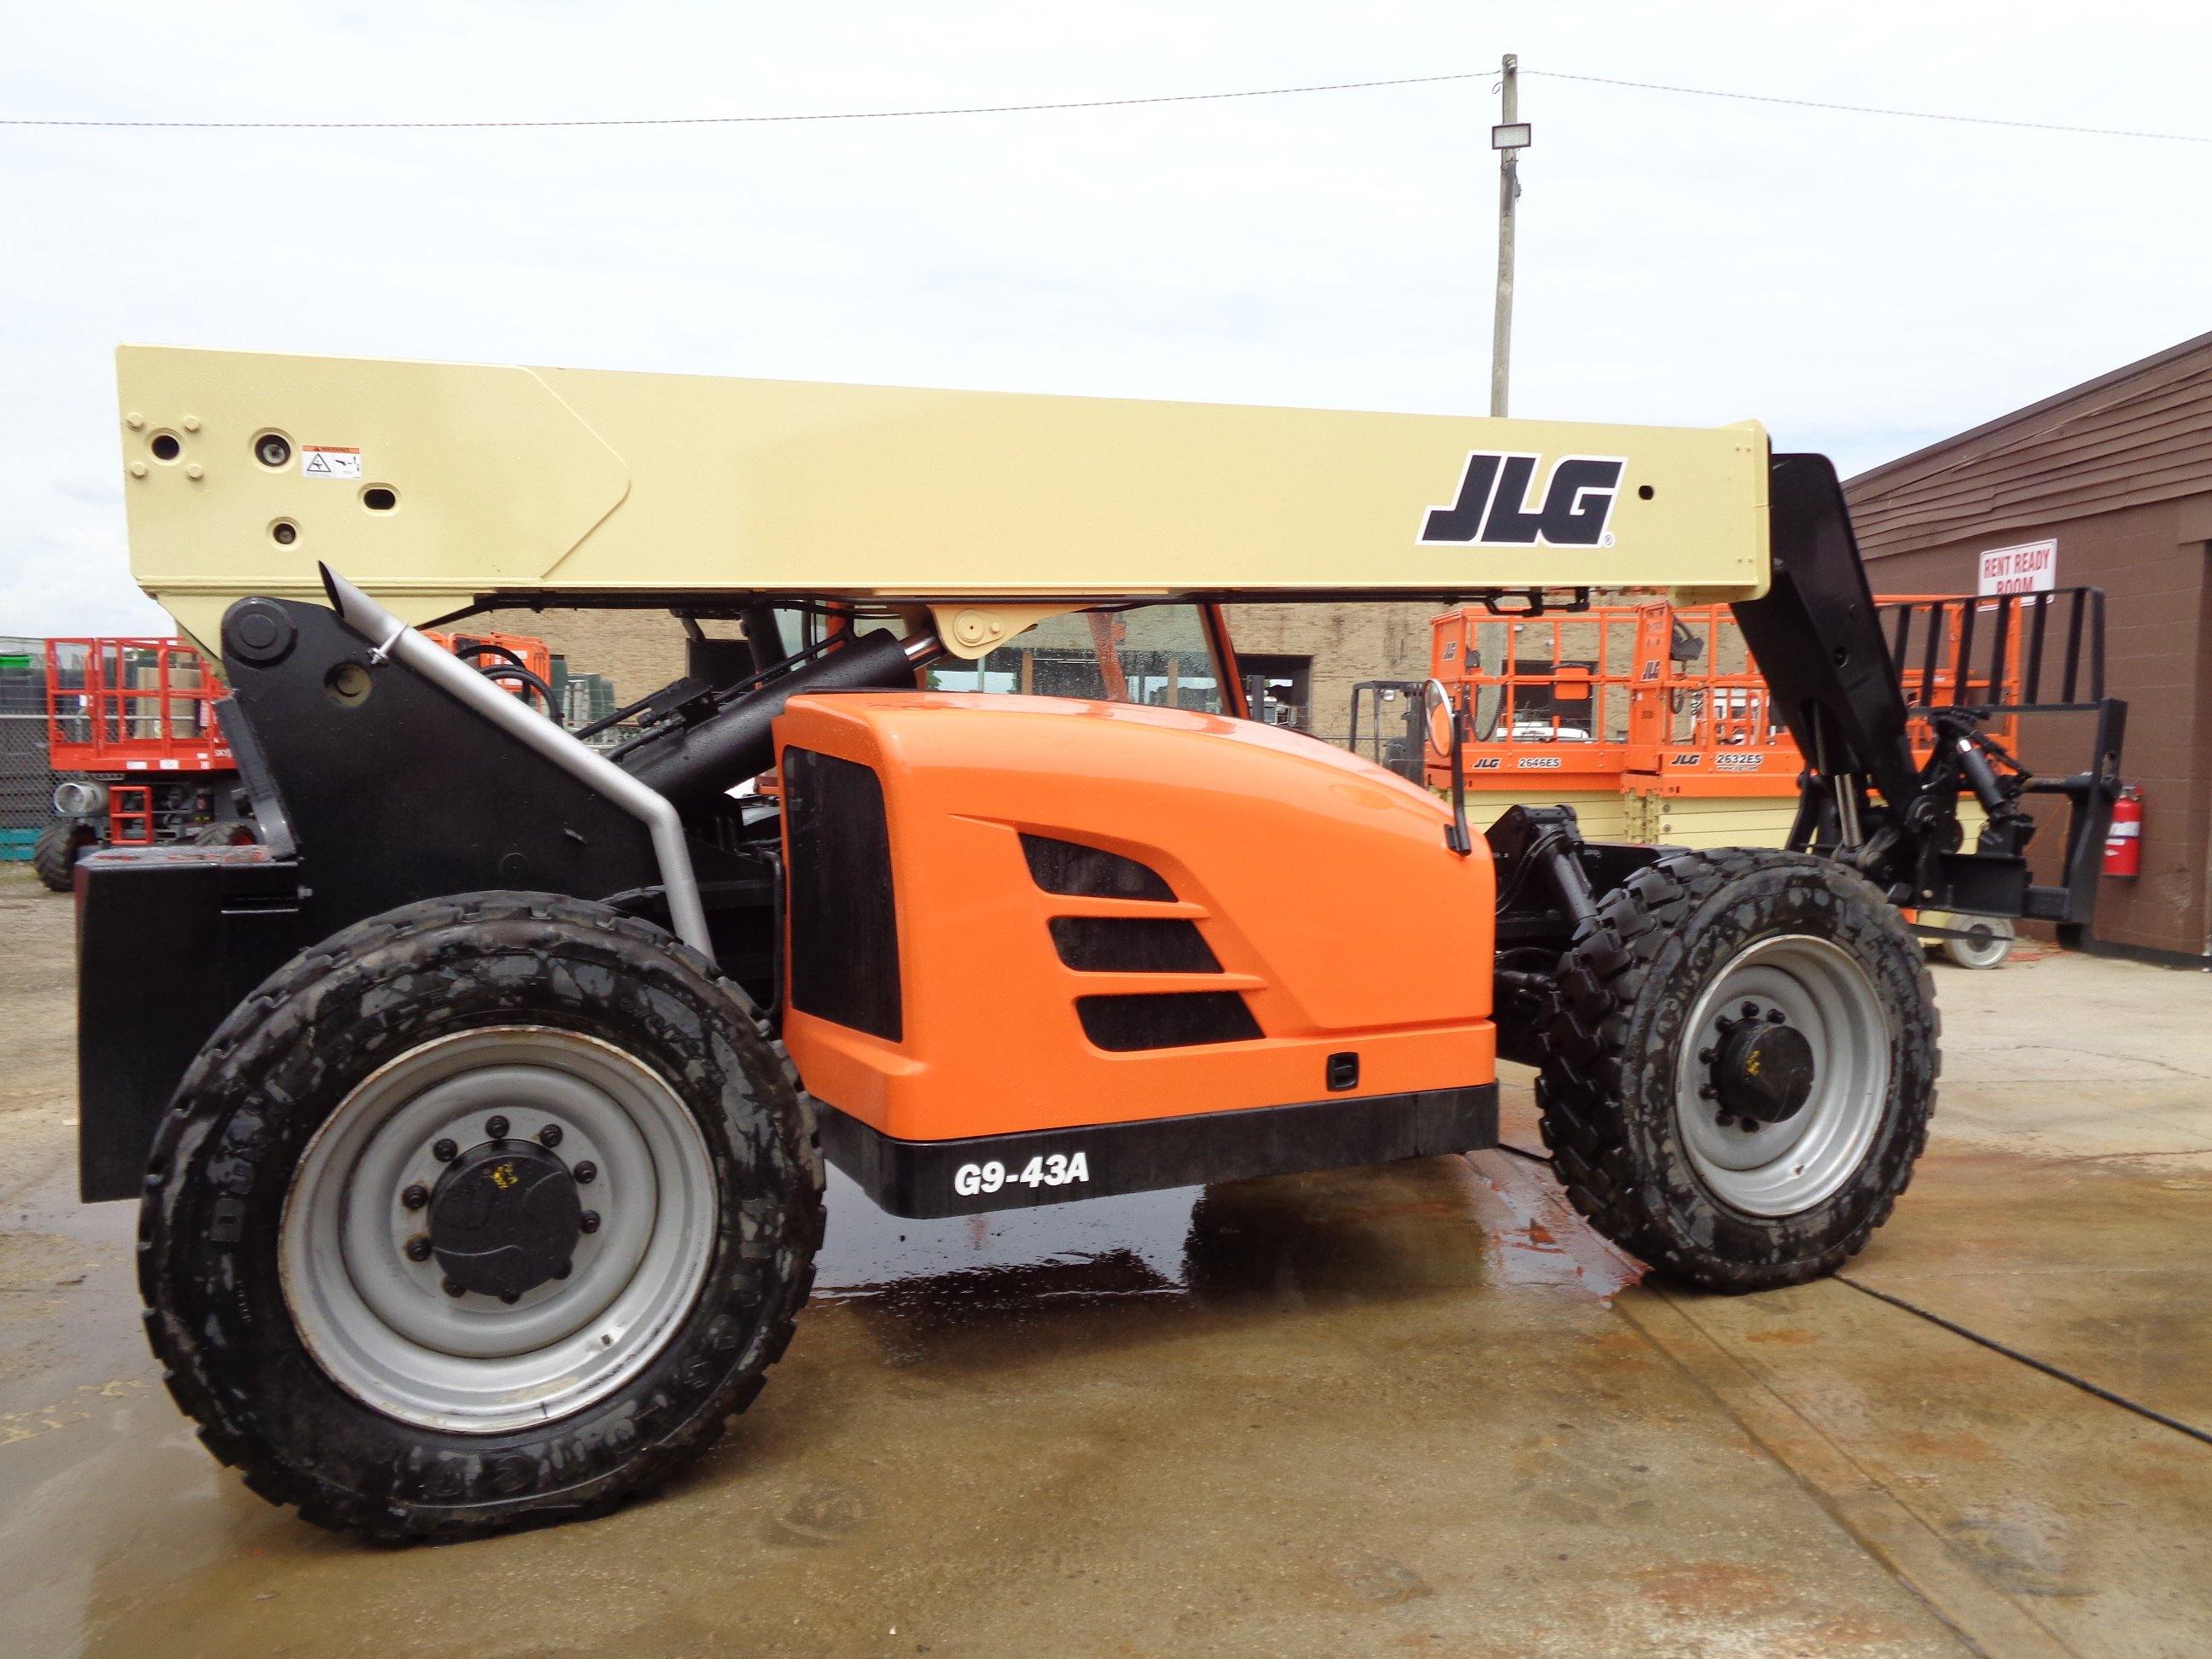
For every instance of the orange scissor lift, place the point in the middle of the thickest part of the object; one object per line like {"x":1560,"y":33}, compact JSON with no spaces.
{"x":1652,"y":719}
{"x":131,"y":724}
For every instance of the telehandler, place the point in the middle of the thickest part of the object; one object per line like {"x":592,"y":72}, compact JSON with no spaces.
{"x":478,"y":1133}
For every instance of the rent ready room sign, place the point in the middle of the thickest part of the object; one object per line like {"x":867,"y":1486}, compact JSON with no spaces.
{"x":2032,"y":567}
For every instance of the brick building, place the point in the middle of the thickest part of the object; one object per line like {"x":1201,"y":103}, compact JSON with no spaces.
{"x":2109,"y":485}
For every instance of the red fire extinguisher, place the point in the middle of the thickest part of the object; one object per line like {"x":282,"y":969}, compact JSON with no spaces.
{"x":2124,"y":841}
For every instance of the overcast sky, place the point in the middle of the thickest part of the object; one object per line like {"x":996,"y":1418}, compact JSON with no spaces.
{"x":1863,"y":285}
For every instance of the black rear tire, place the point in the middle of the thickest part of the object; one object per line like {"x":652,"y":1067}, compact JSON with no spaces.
{"x":1616,"y":1111}
{"x":59,"y":846}
{"x":236,"y":833}
{"x":315,"y":1037}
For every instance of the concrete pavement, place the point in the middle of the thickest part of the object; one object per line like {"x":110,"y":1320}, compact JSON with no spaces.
{"x":1416,"y":1407}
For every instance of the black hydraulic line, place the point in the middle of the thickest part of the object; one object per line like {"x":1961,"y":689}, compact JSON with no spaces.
{"x":692,"y":765}
{"x":1571,"y":881}
{"x":516,"y":672}
{"x":508,"y":665}
{"x":2032,"y":1363}
{"x":1981,"y":776}
{"x":679,"y":700}
{"x":618,"y":717}
{"x":486,"y":648}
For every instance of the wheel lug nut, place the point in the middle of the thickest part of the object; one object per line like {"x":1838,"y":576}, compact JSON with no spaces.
{"x":1709,"y":1093}
{"x":1776,"y":1016}
{"x":495,"y":1128}
{"x":418,"y":1247}
{"x":415,"y":1196}
{"x":454,"y":1287}
{"x":564,"y":1270}
{"x":445,"y":1152}
{"x":510,"y":1297}
{"x":1725,"y":1120}
{"x":1705,"y":1056}
{"x":591,"y":1221}
{"x":549,"y":1135}
{"x":587,"y":1173}
{"x":1750,"y":1010}
{"x":1749,"y":1126}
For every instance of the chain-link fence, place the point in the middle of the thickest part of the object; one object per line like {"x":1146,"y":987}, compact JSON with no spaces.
{"x":27,"y":782}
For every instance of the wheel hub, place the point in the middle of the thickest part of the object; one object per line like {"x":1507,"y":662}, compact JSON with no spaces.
{"x":1762,"y":1071}
{"x":505,"y":1217}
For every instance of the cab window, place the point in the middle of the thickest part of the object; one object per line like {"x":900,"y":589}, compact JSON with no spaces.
{"x":1154,"y":653}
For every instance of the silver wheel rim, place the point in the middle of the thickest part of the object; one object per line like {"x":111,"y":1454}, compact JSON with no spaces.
{"x":1783,"y":1169}
{"x":1988,"y":944}
{"x":384,"y":1328}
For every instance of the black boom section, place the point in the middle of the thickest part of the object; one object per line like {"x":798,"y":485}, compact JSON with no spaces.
{"x":1816,"y":638}
{"x":395,"y":792}
{"x":375,"y":789}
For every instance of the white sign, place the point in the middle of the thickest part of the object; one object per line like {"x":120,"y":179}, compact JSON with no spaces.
{"x":2031,"y":568}
{"x":322,"y":461}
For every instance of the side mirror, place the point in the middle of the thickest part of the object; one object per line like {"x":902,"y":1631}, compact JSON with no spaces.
{"x":1440,"y":719}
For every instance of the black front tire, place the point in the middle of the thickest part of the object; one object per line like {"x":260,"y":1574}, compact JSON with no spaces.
{"x":293,"y":1052}
{"x":1610,"y":1087}
{"x":59,"y":846}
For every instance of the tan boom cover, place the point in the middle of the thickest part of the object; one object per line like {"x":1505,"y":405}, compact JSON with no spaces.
{"x":433,"y":484}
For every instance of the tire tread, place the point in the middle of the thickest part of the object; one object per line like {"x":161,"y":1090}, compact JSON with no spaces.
{"x":282,"y":1014}
{"x":1587,"y":1123}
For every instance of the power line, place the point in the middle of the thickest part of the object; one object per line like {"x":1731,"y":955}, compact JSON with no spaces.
{"x":1112,"y":103}
{"x":1871,"y":109}
{"x":746,"y":120}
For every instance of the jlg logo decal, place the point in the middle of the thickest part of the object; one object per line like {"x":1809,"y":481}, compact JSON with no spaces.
{"x":1495,"y":509}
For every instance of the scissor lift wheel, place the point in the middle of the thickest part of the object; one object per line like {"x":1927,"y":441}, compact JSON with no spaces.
{"x":59,"y":846}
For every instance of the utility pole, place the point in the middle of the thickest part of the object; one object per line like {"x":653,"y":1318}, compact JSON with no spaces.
{"x":1509,"y":139}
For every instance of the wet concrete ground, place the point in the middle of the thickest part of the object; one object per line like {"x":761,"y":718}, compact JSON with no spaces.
{"x":1415,"y":1407}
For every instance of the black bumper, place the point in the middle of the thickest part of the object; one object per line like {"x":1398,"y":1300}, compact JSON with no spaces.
{"x":927,"y":1178}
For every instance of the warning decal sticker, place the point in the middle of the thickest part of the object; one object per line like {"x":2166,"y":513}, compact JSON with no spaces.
{"x":324,"y":461}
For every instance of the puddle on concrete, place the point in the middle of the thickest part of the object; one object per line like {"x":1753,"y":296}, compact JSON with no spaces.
{"x":1341,"y":1233}
{"x":1101,"y":1247}
{"x":1535,"y":1236}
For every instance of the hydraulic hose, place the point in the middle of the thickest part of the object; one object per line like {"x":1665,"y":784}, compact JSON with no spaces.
{"x":691,"y":765}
